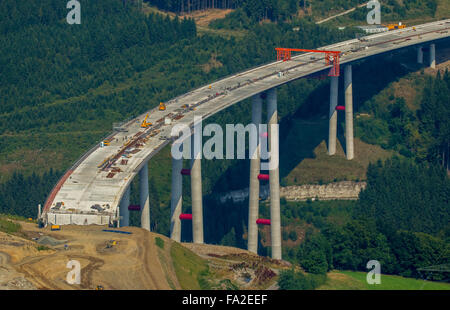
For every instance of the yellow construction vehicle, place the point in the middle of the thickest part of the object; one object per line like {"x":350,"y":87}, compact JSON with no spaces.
{"x":144,"y":123}
{"x":55,"y":227}
{"x":162,"y":106}
{"x":395,"y":26}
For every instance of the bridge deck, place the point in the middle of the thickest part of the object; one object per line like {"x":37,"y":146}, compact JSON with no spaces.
{"x":88,"y":185}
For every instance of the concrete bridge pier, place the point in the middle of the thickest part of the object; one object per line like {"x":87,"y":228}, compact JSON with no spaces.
{"x":255,"y":163}
{"x":420,"y":55}
{"x":196,"y":190}
{"x":176,"y":199}
{"x":144,"y":198}
{"x":274,"y":177}
{"x":124,"y":212}
{"x":433,"y":56}
{"x":349,"y":143}
{"x":333,"y":115}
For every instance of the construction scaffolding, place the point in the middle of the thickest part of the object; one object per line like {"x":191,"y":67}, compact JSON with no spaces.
{"x":331,"y":57}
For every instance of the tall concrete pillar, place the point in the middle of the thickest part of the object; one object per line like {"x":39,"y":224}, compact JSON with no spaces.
{"x":145,"y":203}
{"x":176,"y":199}
{"x":255,"y":163}
{"x":39,"y":211}
{"x":196,"y":193}
{"x":117,"y":216}
{"x":274,"y":177}
{"x":124,"y":204}
{"x":420,"y":55}
{"x":333,"y":115}
{"x":349,"y":144}
{"x":432,"y":56}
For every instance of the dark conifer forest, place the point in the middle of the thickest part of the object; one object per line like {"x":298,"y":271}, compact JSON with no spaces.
{"x":63,"y":86}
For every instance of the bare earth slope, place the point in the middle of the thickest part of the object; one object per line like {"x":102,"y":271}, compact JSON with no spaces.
{"x":37,"y":259}
{"x":132,"y":263}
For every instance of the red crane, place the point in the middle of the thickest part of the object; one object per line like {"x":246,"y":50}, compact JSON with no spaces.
{"x":331,"y":57}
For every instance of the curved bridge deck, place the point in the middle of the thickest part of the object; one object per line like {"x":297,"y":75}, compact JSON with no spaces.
{"x":91,"y":181}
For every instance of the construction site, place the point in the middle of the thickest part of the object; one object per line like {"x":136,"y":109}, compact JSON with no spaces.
{"x":132,"y":258}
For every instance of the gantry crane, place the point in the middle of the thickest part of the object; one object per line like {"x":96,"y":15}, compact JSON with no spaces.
{"x":331,"y":57}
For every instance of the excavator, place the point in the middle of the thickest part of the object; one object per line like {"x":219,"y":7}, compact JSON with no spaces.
{"x":162,"y":106}
{"x":144,"y":123}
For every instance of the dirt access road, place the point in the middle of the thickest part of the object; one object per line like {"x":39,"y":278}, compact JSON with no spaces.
{"x":132,"y":263}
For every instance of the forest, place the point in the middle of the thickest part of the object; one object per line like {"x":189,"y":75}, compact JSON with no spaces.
{"x":282,"y":10}
{"x":62,"y":87}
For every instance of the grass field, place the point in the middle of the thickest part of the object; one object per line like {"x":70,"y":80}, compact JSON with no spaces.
{"x":352,"y":280}
{"x":189,"y":268}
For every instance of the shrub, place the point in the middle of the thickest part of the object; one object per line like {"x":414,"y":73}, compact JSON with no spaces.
{"x":293,"y":280}
{"x":159,"y":242}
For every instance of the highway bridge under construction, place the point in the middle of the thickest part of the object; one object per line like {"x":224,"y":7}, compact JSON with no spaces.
{"x":96,"y":189}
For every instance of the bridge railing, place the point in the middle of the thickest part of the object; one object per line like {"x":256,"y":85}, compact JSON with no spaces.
{"x":69,"y":171}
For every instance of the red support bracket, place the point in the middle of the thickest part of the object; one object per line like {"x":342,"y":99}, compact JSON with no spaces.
{"x":186,"y":171}
{"x":134,"y":208}
{"x":263,"y":221}
{"x":184,"y":216}
{"x":263,"y":177}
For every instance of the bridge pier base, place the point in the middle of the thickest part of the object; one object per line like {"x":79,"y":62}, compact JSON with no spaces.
{"x":433,"y":56}
{"x":274,"y":177}
{"x":349,"y":143}
{"x":196,"y":190}
{"x":176,"y":199}
{"x":420,"y":55}
{"x":332,"y":130}
{"x":144,"y":198}
{"x":255,"y":163}
{"x":124,"y":204}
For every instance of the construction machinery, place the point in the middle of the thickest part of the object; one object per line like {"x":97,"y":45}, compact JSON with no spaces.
{"x":162,"y":106}
{"x":395,"y":26}
{"x":144,"y":123}
{"x":55,"y":227}
{"x":106,"y":142}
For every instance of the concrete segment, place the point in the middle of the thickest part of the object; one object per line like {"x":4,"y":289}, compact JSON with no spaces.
{"x":420,"y":55}
{"x":124,"y":212}
{"x":349,"y":145}
{"x":255,"y":163}
{"x":274,"y":181}
{"x":145,"y":203}
{"x":333,"y":115}
{"x":176,"y":199}
{"x":196,"y":193}
{"x":432,"y":56}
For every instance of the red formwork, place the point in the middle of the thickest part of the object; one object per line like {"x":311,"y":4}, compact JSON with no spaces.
{"x":184,"y":216}
{"x":263,"y":177}
{"x":263,"y":221}
{"x":134,"y":208}
{"x":186,"y":171}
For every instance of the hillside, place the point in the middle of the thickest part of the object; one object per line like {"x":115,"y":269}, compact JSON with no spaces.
{"x":140,"y":260}
{"x":349,"y":280}
{"x":33,"y":258}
